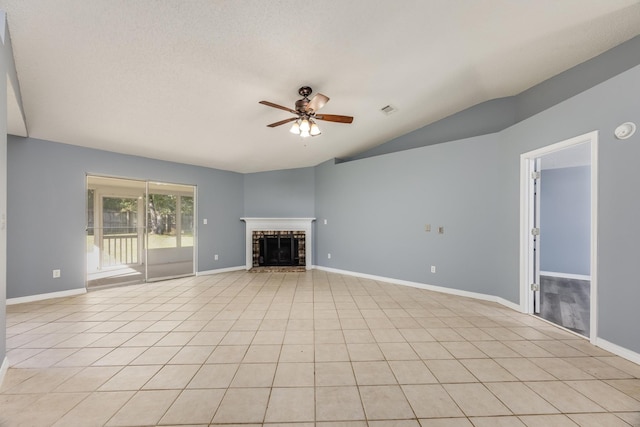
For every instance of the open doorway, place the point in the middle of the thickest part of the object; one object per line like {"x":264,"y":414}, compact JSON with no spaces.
{"x":563,"y":193}
{"x":558,"y":233}
{"x":138,"y":231}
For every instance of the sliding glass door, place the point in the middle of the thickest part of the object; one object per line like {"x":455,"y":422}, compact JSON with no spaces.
{"x":138,"y":231}
{"x":170,"y":250}
{"x":115,"y":231}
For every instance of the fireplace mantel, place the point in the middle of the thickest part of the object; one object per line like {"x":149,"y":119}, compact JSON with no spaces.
{"x":278,"y":224}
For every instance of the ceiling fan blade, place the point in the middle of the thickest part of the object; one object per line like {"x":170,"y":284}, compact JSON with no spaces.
{"x":281,"y":122}
{"x":280,"y":107}
{"x":334,"y":118}
{"x":317,"y":102}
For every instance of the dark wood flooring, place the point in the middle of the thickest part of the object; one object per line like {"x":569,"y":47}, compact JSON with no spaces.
{"x":566,"y":302}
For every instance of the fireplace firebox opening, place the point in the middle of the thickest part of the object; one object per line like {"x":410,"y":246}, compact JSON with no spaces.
{"x":278,"y":248}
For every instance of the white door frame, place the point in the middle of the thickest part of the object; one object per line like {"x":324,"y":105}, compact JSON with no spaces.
{"x":526,"y":223}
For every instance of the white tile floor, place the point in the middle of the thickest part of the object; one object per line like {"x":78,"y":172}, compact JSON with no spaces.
{"x":302,"y":349}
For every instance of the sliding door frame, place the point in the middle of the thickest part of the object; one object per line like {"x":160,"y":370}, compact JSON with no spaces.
{"x":143,"y":214}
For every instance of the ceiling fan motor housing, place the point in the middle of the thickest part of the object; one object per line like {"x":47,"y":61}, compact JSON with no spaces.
{"x":301,"y":104}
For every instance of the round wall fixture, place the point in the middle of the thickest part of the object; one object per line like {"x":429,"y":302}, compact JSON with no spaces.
{"x":625,"y":130}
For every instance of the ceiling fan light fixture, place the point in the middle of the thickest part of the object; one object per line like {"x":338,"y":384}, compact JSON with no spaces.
{"x":304,"y":122}
{"x":315,"y":130}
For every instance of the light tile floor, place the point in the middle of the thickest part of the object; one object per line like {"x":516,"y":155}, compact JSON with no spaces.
{"x":302,"y":349}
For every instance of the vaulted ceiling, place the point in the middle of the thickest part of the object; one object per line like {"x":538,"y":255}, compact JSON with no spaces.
{"x":181,"y":80}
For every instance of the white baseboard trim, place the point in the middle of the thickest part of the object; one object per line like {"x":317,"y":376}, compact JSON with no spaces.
{"x":50,"y":295}
{"x":3,"y":369}
{"x":625,"y":353}
{"x":440,"y":289}
{"x":565,"y":275}
{"x":221,"y":270}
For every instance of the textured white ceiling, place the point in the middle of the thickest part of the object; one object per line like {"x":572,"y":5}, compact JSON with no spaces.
{"x":181,"y":80}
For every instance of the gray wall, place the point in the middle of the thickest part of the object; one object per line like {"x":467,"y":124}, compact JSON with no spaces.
{"x":377,"y":207}
{"x":284,"y":193}
{"x":565,"y":220}
{"x":601,"y":108}
{"x":47,"y":210}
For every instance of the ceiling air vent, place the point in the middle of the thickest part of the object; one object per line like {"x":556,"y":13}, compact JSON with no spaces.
{"x":389,"y":109}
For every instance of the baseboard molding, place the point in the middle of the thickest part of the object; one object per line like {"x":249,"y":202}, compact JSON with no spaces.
{"x":221,"y":270}
{"x":427,"y":287}
{"x":50,"y":295}
{"x":4,"y":367}
{"x":625,"y":353}
{"x":565,"y":275}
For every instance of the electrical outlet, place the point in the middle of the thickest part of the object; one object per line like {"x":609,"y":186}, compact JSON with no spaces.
{"x":440,"y":230}
{"x":215,"y":257}
{"x":56,"y":274}
{"x":433,"y":268}
{"x":325,"y":222}
{"x":328,"y":256}
{"x":427,"y":227}
{"x":204,"y":221}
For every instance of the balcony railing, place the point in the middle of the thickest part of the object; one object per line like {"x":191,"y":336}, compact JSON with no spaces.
{"x":119,"y":249}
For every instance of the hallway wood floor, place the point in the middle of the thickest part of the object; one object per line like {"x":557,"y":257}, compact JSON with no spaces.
{"x":566,"y":302}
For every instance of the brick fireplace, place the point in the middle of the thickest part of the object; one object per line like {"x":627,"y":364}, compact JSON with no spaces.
{"x":278,"y":241}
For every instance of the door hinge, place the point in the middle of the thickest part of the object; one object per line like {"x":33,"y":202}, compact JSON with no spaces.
{"x":535,"y":175}
{"x":535,"y":287}
{"x":535,"y":231}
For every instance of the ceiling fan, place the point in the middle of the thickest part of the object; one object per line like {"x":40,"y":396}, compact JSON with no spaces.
{"x":306,"y":113}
